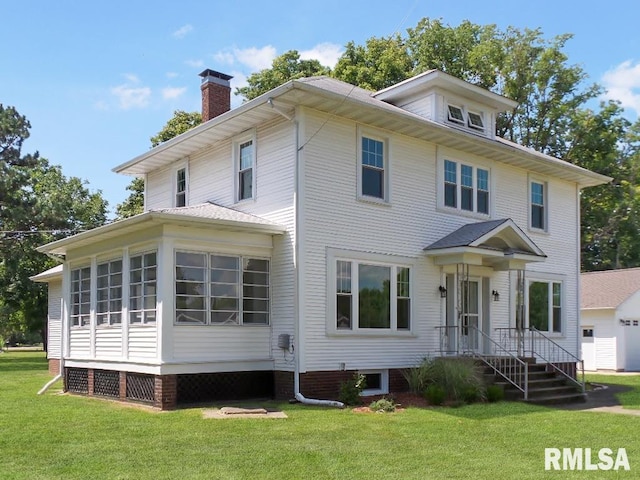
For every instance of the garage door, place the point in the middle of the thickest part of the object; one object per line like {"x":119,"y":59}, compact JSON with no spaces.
{"x":588,"y":348}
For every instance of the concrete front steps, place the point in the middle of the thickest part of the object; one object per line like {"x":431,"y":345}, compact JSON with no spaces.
{"x":546,"y":387}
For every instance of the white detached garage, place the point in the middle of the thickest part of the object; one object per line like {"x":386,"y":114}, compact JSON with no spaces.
{"x":610,"y":318}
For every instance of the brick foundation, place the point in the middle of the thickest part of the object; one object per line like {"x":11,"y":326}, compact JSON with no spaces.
{"x":123,"y":385}
{"x":166,"y":392}
{"x":283,"y":385}
{"x":54,"y":366}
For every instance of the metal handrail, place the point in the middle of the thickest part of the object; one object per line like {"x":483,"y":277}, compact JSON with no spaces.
{"x":548,"y":351}
{"x":503,"y":363}
{"x":571,"y":357}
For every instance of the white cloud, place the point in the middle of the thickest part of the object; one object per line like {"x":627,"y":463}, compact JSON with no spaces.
{"x":131,"y":78}
{"x":255,"y":58}
{"x":623,"y":84}
{"x":182,"y":31}
{"x":131,"y":97}
{"x":326,"y":53}
{"x":172,"y":74}
{"x":194,"y":63}
{"x":169,"y":93}
{"x":224,"y":57}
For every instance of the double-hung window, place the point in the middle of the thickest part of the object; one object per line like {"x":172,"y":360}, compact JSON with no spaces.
{"x":466,"y":187}
{"x":538,"y":210}
{"x":372,"y":296}
{"x":109,"y":293}
{"x":80,"y":305}
{"x":221,"y":289}
{"x":373,"y":168}
{"x":142,"y":288}
{"x":181,"y":187}
{"x":244,"y":153}
{"x":545,"y":305}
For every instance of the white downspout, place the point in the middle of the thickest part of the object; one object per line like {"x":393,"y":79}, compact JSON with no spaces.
{"x":296,"y":255}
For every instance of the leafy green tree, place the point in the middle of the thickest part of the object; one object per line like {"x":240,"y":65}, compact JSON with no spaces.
{"x":38,"y":204}
{"x":287,"y":66}
{"x":179,"y":123}
{"x":378,"y":64}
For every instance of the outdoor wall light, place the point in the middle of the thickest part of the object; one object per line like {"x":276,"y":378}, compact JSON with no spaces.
{"x":443,"y":291}
{"x":496,"y":295}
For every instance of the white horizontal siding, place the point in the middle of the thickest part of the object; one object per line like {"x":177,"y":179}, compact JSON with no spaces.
{"x":334,"y":218}
{"x":220,"y":344}
{"x":79,"y":343}
{"x":159,"y":189}
{"x":54,"y":325}
{"x":108,"y":342}
{"x":143,"y":342}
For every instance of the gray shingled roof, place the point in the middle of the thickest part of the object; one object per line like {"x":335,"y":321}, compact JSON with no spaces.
{"x":211,"y":211}
{"x":466,"y":235}
{"x":608,"y":289}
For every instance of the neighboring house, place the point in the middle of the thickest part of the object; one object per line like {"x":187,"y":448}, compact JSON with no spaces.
{"x":317,"y":231}
{"x":53,"y":279}
{"x":610,"y":313}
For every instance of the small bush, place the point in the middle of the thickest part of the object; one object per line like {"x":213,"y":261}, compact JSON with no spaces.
{"x":351,"y":389}
{"x":383,"y":405}
{"x":495,"y":393}
{"x":435,"y":394}
{"x":418,"y":378}
{"x":471,"y":394}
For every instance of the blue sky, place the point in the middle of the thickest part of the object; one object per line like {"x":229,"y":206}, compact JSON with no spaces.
{"x":98,"y":79}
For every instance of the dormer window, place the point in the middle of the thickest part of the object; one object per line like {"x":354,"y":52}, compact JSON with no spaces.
{"x":465,"y":118}
{"x":456,"y":115}
{"x":181,"y":187}
{"x":475,"y":121}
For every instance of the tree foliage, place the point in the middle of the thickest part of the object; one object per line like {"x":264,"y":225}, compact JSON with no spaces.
{"x":38,"y":204}
{"x":179,"y":123}
{"x":287,"y":66}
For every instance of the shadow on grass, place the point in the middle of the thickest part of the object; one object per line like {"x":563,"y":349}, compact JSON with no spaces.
{"x":489,"y":411}
{"x":22,"y":361}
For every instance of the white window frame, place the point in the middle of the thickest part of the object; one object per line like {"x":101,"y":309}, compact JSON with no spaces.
{"x":362,"y":258}
{"x":237,"y":144}
{"x":145,"y":320}
{"x":208,"y":290}
{"x":363,"y":132}
{"x":113,"y":317}
{"x":550,"y":279}
{"x":384,"y":383}
{"x":467,"y":114}
{"x":83,"y":319}
{"x":184,"y":165}
{"x":441,"y":187}
{"x":545,"y":205}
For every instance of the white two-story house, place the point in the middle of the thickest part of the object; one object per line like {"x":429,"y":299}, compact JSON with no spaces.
{"x":317,"y":231}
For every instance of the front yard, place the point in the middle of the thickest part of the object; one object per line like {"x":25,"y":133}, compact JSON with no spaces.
{"x":62,"y":436}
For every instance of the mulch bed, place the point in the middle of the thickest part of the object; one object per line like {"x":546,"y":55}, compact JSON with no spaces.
{"x":402,"y":401}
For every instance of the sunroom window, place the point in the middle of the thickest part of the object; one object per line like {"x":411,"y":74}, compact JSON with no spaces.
{"x":80,"y":297}
{"x":109,"y":293}
{"x":545,"y":306}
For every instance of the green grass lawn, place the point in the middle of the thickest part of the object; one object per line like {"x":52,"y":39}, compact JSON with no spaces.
{"x":64,"y":436}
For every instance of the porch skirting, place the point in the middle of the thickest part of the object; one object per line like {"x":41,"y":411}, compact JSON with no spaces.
{"x":167,"y":392}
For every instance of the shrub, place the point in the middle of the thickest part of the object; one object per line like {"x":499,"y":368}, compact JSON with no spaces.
{"x":383,"y":405}
{"x":471,"y":394}
{"x":495,"y":393}
{"x":351,"y":389}
{"x":458,"y":377}
{"x":435,"y":394}
{"x":418,"y":377}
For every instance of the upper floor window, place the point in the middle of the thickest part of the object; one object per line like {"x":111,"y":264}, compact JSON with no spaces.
{"x":109,"y":293}
{"x":466,"y":187}
{"x":181,"y":187}
{"x":538,"y":205}
{"x":373,"y":166}
{"x":244,"y":160}
{"x":464,"y":117}
{"x":80,"y":304}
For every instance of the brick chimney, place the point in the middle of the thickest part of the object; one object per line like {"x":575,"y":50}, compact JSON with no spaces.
{"x":216,"y":94}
